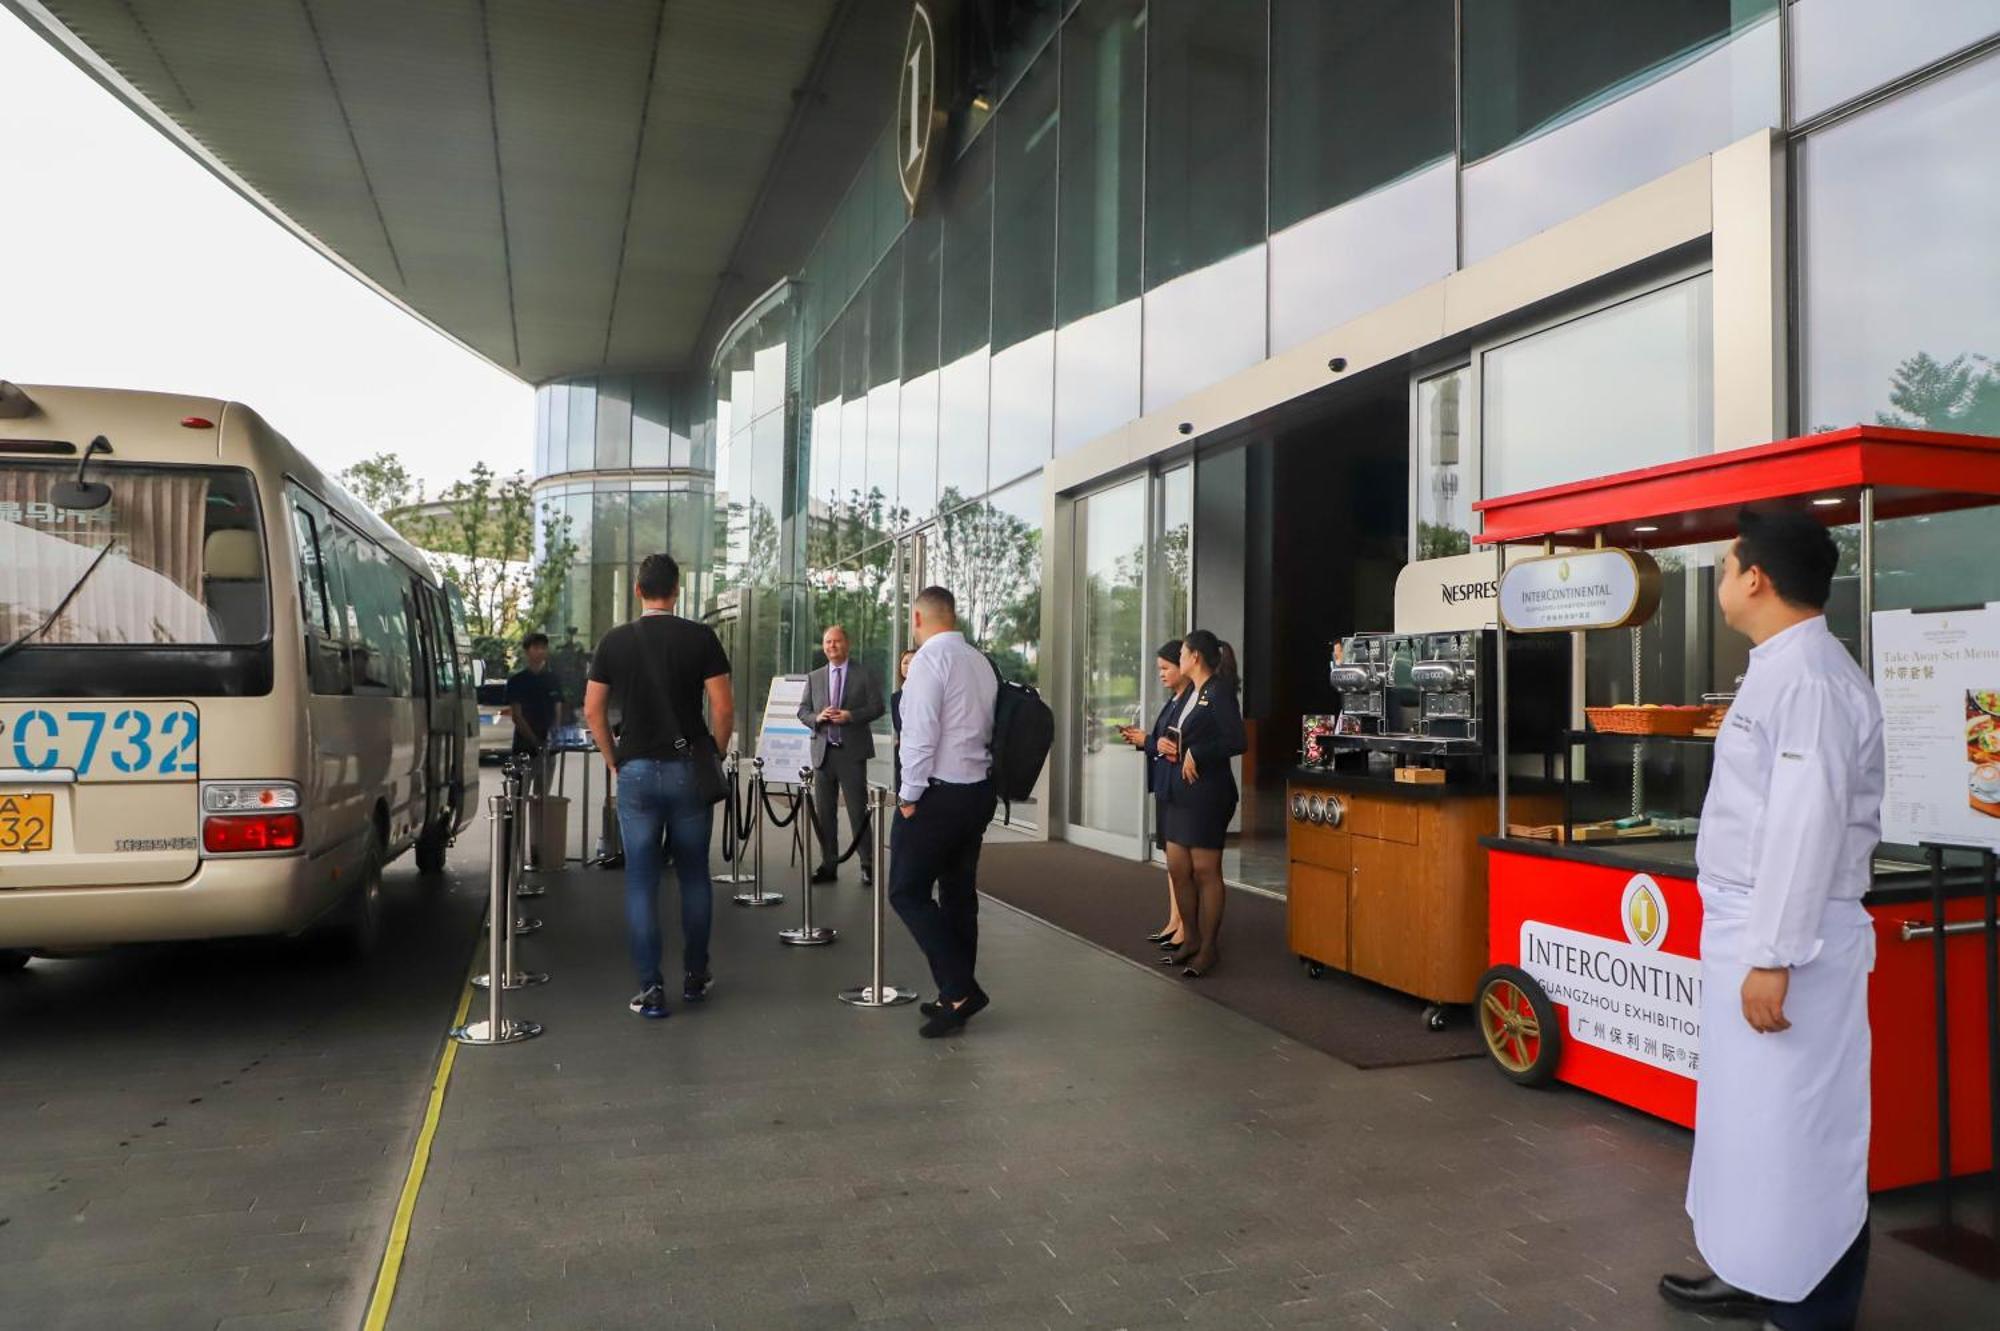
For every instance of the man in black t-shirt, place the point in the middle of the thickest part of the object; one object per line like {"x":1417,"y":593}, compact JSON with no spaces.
{"x":536,"y":704}
{"x":657,"y":670}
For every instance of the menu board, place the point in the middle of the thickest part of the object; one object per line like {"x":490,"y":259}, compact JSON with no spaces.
{"x":1938,"y":675}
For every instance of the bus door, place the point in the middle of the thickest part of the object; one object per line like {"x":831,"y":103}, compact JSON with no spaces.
{"x":465,"y":705}
{"x":444,"y":745}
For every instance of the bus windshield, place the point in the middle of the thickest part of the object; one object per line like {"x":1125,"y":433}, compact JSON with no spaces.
{"x":186,"y":568}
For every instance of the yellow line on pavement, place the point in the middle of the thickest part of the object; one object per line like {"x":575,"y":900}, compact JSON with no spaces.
{"x":413,"y":1182}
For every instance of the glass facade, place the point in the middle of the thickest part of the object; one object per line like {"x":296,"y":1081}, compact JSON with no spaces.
{"x":1153,"y":195}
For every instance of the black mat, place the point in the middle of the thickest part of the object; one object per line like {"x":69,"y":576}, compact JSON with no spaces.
{"x":1115,"y":903}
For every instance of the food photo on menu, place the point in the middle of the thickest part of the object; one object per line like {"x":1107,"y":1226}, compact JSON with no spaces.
{"x":1982,"y":748}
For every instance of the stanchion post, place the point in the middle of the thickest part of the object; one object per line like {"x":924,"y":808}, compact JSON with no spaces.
{"x":757,"y":896}
{"x":807,"y":934}
{"x":514,"y":777}
{"x":877,"y":992}
{"x":731,"y":780}
{"x":531,"y":835}
{"x":497,"y":1028}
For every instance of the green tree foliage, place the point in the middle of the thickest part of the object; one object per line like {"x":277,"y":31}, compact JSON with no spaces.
{"x":382,"y":482}
{"x":1961,"y":394}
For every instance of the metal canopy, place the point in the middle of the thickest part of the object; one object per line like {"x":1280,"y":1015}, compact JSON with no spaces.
{"x":1908,"y":472}
{"x":562,"y":187}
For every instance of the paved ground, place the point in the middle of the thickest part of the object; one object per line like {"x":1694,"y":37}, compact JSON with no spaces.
{"x":215,"y":1137}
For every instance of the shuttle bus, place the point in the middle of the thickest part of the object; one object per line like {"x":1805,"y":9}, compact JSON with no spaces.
{"x":229,"y":693}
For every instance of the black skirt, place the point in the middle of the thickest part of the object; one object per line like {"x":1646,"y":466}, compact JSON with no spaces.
{"x":1196,"y":826}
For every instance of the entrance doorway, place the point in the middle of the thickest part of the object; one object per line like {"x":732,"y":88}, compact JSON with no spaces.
{"x":1133,"y":590}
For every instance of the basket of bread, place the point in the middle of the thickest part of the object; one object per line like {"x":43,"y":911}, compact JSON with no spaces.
{"x":1647,"y":719}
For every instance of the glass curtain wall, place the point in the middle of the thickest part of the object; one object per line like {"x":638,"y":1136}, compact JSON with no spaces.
{"x":1568,"y":103}
{"x":1206,"y":95}
{"x":1102,"y":171}
{"x":1900,"y":301}
{"x":1024,"y":264}
{"x":1363,"y":173}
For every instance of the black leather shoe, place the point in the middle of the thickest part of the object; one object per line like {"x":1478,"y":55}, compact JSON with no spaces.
{"x":1712,"y":1296}
{"x":824,"y":875}
{"x":947,"y":1020}
{"x":867,"y":877}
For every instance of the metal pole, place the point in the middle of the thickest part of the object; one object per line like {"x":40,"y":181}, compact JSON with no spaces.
{"x":1500,"y":681}
{"x":531,"y":834}
{"x":497,"y":1028}
{"x":757,"y":896}
{"x":1990,"y":888}
{"x":583,"y":855}
{"x":517,"y":842}
{"x":807,"y":934}
{"x":1867,"y":588}
{"x":877,"y":993}
{"x":1941,"y":996}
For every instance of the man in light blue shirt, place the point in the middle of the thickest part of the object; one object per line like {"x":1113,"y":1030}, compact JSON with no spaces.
{"x":946,"y":801}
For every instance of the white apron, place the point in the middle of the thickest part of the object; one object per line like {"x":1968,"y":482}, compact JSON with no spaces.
{"x":1778,"y":1190}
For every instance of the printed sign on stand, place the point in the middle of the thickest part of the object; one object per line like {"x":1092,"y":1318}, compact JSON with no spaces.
{"x":783,"y":741}
{"x":1938,"y":676}
{"x":1586,"y":589}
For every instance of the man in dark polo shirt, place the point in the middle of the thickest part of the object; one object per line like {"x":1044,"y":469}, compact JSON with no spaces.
{"x":536,"y":703}
{"x":656,"y":671}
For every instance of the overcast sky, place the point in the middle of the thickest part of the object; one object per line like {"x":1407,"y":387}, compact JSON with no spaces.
{"x":124,"y":264}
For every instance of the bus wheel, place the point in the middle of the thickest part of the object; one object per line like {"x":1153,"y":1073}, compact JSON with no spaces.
{"x":13,"y":959}
{"x":359,"y":926}
{"x":431,"y":848}
{"x":1519,"y":1025}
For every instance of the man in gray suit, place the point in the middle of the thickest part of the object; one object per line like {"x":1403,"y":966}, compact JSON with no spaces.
{"x":842,"y":698}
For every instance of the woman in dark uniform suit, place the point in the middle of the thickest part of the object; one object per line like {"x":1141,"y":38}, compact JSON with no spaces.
{"x":1201,"y":795}
{"x":1162,"y":767}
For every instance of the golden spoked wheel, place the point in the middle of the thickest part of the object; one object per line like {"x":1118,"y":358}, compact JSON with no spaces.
{"x":1519,"y":1025}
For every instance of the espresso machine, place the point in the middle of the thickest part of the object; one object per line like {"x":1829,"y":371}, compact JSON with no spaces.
{"x":1436,"y":695}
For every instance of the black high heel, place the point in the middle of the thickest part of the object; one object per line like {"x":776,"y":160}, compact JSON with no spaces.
{"x":1194,"y":972}
{"x":1160,"y":937}
{"x":1172,"y":944}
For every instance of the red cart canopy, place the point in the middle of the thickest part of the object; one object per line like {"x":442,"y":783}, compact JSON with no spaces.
{"x":1695,"y":499}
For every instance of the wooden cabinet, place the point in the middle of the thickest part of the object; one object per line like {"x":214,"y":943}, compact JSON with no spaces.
{"x":1396,"y":893}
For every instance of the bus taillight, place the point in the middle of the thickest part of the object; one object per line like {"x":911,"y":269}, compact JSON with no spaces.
{"x":251,"y":833}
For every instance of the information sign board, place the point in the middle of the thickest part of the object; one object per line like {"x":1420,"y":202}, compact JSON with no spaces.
{"x":1586,"y":589}
{"x":783,"y":741}
{"x":1938,"y":676}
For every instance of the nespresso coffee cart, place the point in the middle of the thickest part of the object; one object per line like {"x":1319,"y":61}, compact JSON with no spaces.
{"x":1387,"y":879}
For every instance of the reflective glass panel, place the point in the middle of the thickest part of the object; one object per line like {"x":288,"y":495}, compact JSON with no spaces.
{"x":1901,"y":322}
{"x":582,"y":424}
{"x":652,"y":422}
{"x":966,"y":205}
{"x":1112,"y":659}
{"x":1103,"y":158}
{"x":614,"y":422}
{"x":1024,"y":193}
{"x":1205,"y":133}
{"x":885,"y":308}
{"x":1447,"y":475}
{"x":1569,"y":103}
{"x":1361,"y":95}
{"x":1842,"y":48}
{"x":917,"y":440}
{"x":1630,"y":386}
{"x":1204,"y":327}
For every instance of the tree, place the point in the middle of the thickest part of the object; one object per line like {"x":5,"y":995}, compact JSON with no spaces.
{"x":1961,"y":394}
{"x":484,"y":532}
{"x":381,"y":482}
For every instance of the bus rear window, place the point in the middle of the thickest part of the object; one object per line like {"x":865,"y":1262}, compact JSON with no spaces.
{"x":186,"y":567}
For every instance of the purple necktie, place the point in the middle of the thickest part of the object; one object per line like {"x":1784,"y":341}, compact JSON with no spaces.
{"x":839,"y":686}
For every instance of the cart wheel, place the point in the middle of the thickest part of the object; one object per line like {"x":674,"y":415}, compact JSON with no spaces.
{"x":1519,"y":1026}
{"x":1314,"y":969}
{"x":1434,"y":1017}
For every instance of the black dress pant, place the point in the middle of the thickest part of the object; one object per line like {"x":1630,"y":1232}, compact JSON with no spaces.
{"x":933,"y":879}
{"x":1835,"y":1301}
{"x":849,"y":772}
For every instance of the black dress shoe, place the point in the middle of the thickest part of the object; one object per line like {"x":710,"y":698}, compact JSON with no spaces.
{"x":1712,"y":1296}
{"x":1160,"y":937}
{"x":945,"y":1019}
{"x":824,"y":875}
{"x":867,"y":876}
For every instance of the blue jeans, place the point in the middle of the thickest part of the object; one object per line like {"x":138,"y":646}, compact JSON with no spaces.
{"x":657,"y":800}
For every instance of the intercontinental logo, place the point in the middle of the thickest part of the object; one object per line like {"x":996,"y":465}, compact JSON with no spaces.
{"x":1644,"y":911}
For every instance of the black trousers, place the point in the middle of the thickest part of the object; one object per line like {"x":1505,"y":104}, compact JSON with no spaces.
{"x":1836,"y":1300}
{"x":849,"y":772}
{"x":933,"y":880}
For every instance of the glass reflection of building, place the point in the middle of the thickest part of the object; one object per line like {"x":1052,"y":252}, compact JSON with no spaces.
{"x":1159,"y":206}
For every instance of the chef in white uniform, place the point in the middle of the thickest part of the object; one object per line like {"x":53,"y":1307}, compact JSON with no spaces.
{"x":1778,"y":1190}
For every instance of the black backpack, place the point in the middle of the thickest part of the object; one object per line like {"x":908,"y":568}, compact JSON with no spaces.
{"x":1024,"y":730}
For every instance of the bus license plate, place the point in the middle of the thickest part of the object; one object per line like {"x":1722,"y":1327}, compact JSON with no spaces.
{"x":27,"y":823}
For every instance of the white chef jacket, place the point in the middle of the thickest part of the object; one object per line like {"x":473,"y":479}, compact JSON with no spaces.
{"x":1778,"y":1188}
